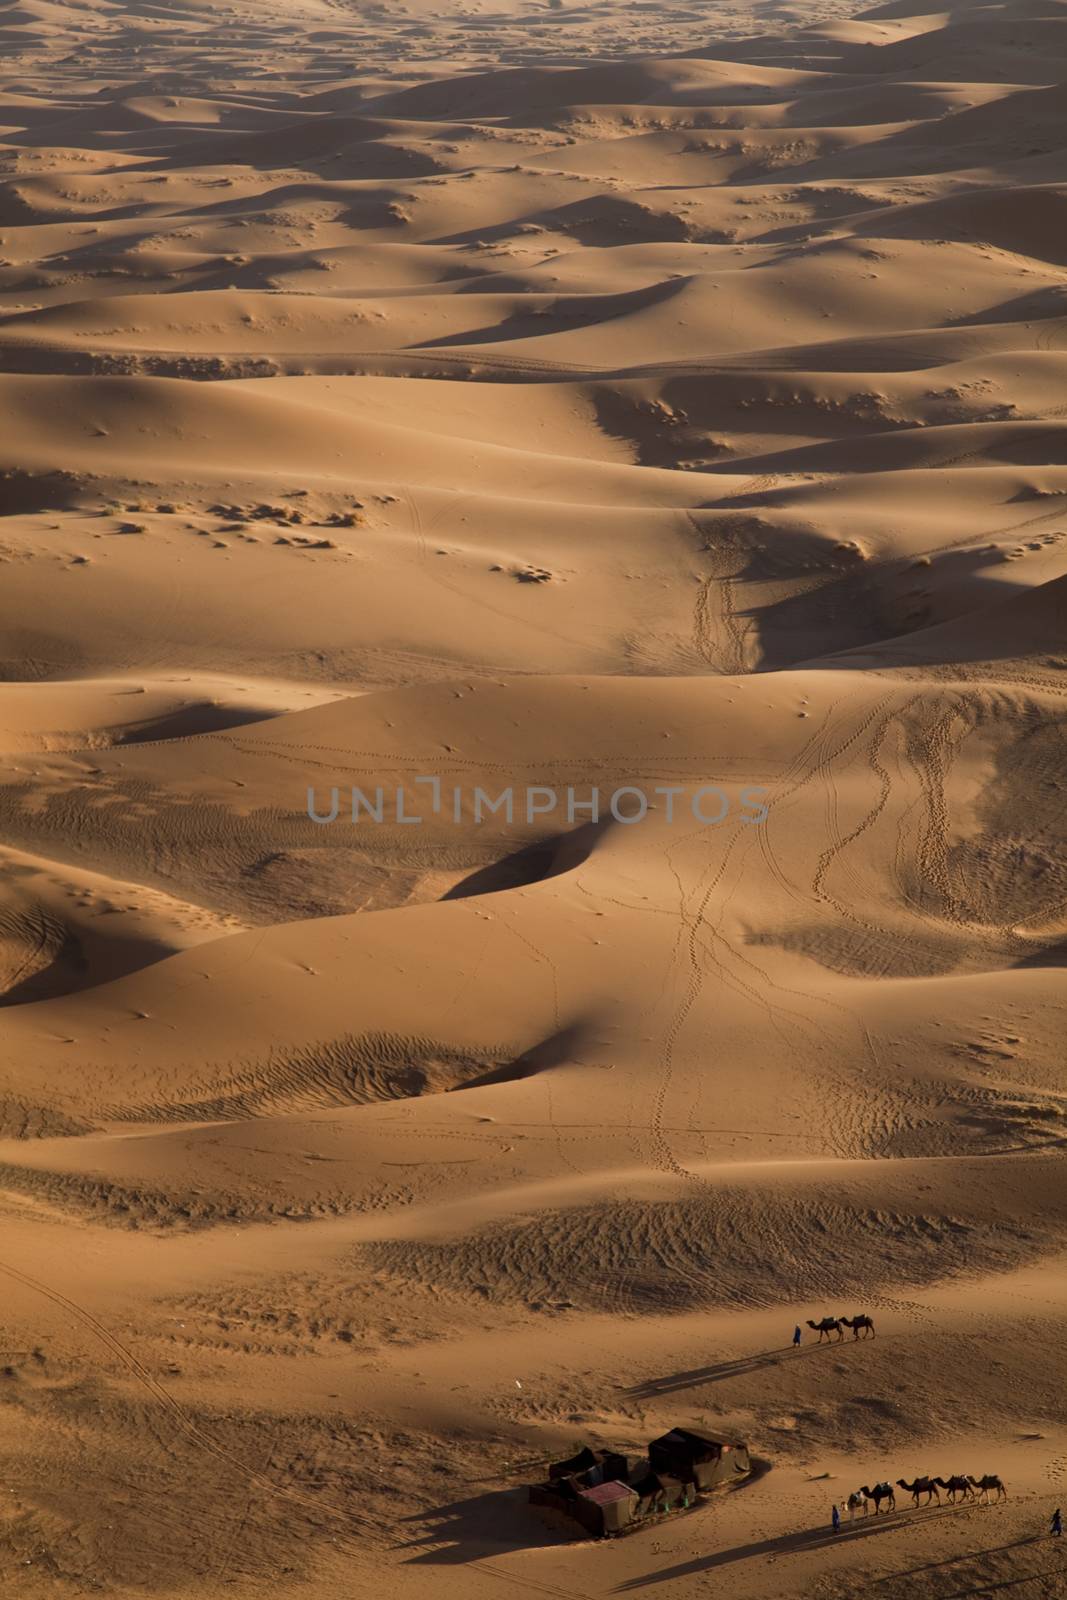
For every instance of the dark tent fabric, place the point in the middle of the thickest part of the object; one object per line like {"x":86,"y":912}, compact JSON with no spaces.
{"x":607,"y":1495}
{"x":658,"y":1492}
{"x":696,"y":1458}
{"x":579,"y":1463}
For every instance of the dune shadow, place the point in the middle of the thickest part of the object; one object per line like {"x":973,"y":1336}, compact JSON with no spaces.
{"x":553,"y":1051}
{"x":192,"y":720}
{"x":1036,"y":305}
{"x":560,"y":314}
{"x":24,"y":492}
{"x":1051,"y":955}
{"x":534,"y":863}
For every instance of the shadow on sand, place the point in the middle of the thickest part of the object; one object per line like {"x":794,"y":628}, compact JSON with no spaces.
{"x":456,"y":1534}
{"x":982,"y":1588}
{"x":674,"y":1382}
{"x":977,"y":1587}
{"x":789,"y":1544}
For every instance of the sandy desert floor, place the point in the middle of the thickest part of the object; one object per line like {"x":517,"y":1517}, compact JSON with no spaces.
{"x":537,"y":395}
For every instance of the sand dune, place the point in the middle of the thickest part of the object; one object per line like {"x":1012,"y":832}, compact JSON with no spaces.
{"x":435,"y":404}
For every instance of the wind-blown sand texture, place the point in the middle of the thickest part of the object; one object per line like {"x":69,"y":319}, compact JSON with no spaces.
{"x":554,"y":395}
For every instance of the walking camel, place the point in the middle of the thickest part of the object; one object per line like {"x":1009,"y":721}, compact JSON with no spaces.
{"x":826,"y":1327}
{"x":926,"y":1486}
{"x":856,"y":1502}
{"x":958,"y":1485}
{"x":861,"y":1325}
{"x":989,"y":1481}
{"x":880,"y":1492}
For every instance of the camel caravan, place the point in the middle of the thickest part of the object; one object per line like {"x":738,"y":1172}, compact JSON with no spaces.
{"x":862,"y":1327}
{"x":928,"y":1490}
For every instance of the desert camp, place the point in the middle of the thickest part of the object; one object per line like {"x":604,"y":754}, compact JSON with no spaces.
{"x":610,"y":1494}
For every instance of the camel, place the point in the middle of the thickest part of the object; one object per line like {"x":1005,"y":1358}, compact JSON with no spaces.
{"x":827,"y":1326}
{"x":986,"y":1483}
{"x":856,"y":1501}
{"x":958,"y":1485}
{"x":880,"y":1492}
{"x":926,"y":1486}
{"x":858,"y":1322}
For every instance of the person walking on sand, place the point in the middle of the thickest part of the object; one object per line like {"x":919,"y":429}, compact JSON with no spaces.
{"x":1056,"y":1529}
{"x":836,"y":1519}
{"x":796,"y":1337}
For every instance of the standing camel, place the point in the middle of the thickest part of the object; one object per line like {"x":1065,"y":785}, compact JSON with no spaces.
{"x":860,"y":1322}
{"x":856,"y":1502}
{"x":880,"y":1492}
{"x":986,"y":1483}
{"x":926,"y":1486}
{"x":826,"y":1327}
{"x":958,"y":1485}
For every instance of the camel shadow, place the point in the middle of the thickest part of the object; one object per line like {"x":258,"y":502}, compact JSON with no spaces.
{"x":792,"y":1543}
{"x":784,"y":1544}
{"x":674,"y":1382}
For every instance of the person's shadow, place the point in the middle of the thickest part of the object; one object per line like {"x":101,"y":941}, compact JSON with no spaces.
{"x":673,"y":1382}
{"x":977,"y":1588}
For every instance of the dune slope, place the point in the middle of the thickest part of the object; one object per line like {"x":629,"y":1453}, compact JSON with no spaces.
{"x":533,"y":617}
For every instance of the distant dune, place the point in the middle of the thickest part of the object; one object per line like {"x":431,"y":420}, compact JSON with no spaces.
{"x":533,"y":617}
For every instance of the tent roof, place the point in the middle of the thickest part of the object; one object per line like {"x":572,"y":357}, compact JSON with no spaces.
{"x":606,"y":1493}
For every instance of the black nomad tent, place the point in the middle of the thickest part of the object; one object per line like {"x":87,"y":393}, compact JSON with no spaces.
{"x":696,"y":1459}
